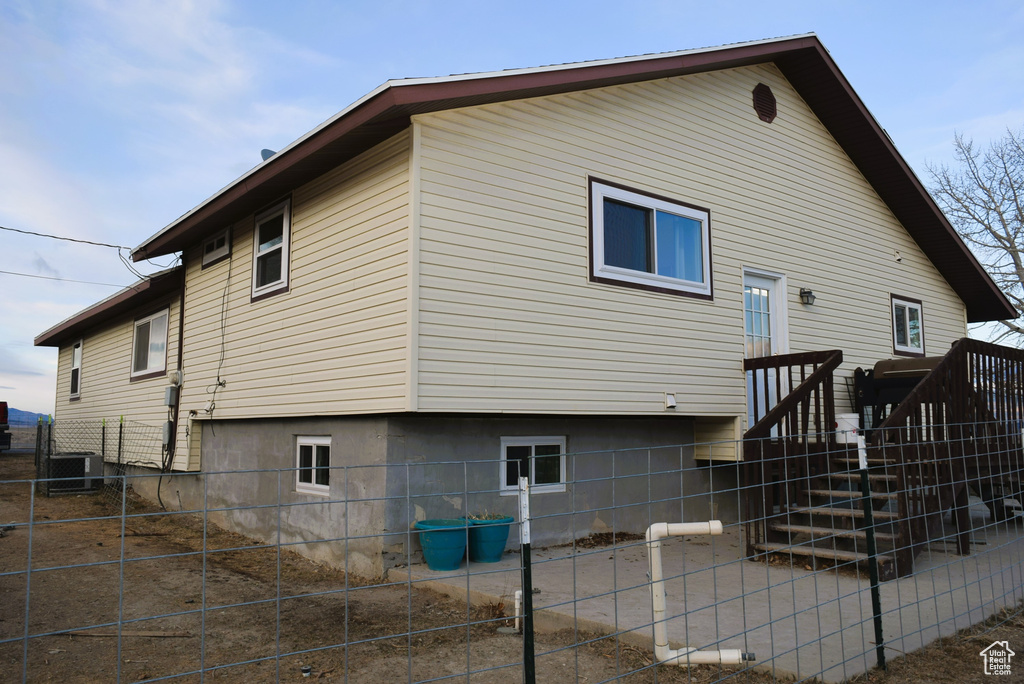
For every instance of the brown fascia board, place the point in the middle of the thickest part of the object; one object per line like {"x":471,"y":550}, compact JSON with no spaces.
{"x":388,"y":111}
{"x":803,"y":60}
{"x":132,"y":297}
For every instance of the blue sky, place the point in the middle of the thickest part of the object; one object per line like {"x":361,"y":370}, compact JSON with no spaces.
{"x":116,"y":116}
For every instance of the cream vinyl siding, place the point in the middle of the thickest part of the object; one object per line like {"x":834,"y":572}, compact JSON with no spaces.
{"x":335,"y":343}
{"x":508,"y":319}
{"x":108,"y":393}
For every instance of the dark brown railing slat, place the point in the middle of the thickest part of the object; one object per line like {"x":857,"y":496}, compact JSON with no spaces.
{"x":778,"y":466}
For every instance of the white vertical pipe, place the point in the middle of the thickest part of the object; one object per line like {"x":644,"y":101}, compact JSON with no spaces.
{"x":684,"y":656}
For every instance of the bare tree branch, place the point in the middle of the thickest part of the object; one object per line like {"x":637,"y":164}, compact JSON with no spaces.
{"x":984,"y":200}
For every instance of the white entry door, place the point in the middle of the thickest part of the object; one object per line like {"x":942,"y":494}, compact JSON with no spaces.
{"x":763,"y":319}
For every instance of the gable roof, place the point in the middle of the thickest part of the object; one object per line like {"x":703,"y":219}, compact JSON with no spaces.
{"x":803,"y":60}
{"x":138,"y":294}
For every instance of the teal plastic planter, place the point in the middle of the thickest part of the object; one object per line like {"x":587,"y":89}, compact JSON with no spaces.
{"x":443,"y":542}
{"x":487,"y":539}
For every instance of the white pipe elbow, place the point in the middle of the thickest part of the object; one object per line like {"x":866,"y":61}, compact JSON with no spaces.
{"x":662,"y":653}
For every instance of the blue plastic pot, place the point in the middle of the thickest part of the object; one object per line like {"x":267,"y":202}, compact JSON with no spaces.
{"x":487,"y":539}
{"x":443,"y":542}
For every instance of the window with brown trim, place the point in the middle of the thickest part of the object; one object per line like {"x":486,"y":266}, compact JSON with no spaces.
{"x":648,"y":241}
{"x":907,"y":327}
{"x":149,"y":345}
{"x":216,"y":247}
{"x":76,"y":370}
{"x":270,"y":251}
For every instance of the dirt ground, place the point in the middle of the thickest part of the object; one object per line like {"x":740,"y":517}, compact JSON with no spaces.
{"x":343,"y":629}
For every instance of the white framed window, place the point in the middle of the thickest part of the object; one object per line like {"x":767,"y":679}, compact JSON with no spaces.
{"x":542,"y":459}
{"x":149,"y":347}
{"x":907,"y":327}
{"x":76,"y":370}
{"x":216,"y":247}
{"x":271,"y":244}
{"x":313,"y":465}
{"x":651,"y":242}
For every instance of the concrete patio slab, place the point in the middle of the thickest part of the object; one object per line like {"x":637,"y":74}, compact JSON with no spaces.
{"x":798,"y":621}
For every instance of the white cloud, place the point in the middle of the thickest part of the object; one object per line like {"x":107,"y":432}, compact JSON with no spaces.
{"x":116,"y":117}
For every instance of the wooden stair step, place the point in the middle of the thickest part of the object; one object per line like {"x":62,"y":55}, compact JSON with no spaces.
{"x":838,"y":493}
{"x":840,"y":512}
{"x":818,"y":532}
{"x":855,"y":475}
{"x":819,"y":552}
{"x":876,"y":461}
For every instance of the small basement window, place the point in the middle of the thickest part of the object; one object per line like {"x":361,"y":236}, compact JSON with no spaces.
{"x":907,"y":327}
{"x":650,"y":242}
{"x":216,"y":247}
{"x":542,"y":459}
{"x":313,"y":465}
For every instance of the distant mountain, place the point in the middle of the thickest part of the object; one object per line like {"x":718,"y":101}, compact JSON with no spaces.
{"x":19,"y":418}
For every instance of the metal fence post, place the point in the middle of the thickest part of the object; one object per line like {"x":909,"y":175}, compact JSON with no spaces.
{"x":39,"y":448}
{"x":529,"y":661}
{"x":869,"y":529}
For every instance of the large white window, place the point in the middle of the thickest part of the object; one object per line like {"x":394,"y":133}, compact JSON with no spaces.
{"x":907,"y":327}
{"x":651,"y":242}
{"x":313,"y":465}
{"x":271,"y":239}
{"x":149,"y":348}
{"x":542,"y":459}
{"x":76,"y":370}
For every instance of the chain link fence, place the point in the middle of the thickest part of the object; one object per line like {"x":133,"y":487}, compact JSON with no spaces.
{"x":651,"y":569}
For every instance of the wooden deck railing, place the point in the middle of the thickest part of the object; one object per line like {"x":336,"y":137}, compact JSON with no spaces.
{"x":961,"y":425}
{"x":787,"y":446}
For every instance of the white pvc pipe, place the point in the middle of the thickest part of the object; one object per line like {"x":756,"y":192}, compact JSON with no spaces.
{"x":519,"y":603}
{"x":683,"y":656}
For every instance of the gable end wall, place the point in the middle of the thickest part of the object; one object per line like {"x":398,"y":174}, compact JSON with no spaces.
{"x":509,"y":320}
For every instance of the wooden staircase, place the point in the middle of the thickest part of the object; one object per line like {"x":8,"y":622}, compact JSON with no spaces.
{"x":959,"y":427}
{"x":828,"y":520}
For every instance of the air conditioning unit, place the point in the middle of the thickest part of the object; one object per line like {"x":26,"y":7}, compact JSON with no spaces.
{"x":80,"y":471}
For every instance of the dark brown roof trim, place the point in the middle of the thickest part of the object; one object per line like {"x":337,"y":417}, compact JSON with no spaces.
{"x":138,"y":294}
{"x":802,"y":59}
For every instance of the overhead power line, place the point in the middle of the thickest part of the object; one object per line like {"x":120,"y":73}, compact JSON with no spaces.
{"x":58,"y":237}
{"x":66,"y":280}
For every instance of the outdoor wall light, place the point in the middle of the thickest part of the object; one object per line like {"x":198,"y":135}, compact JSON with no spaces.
{"x":806,"y":296}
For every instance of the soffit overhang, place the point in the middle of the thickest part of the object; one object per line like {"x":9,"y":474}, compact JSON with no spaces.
{"x":131,"y":299}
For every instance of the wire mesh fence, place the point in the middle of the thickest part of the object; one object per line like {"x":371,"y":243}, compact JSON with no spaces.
{"x":614,"y":573}
{"x":73,"y":455}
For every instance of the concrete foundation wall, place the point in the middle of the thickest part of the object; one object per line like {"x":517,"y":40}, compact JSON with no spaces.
{"x":248,"y":467}
{"x":399,"y":469}
{"x":619,"y":475}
